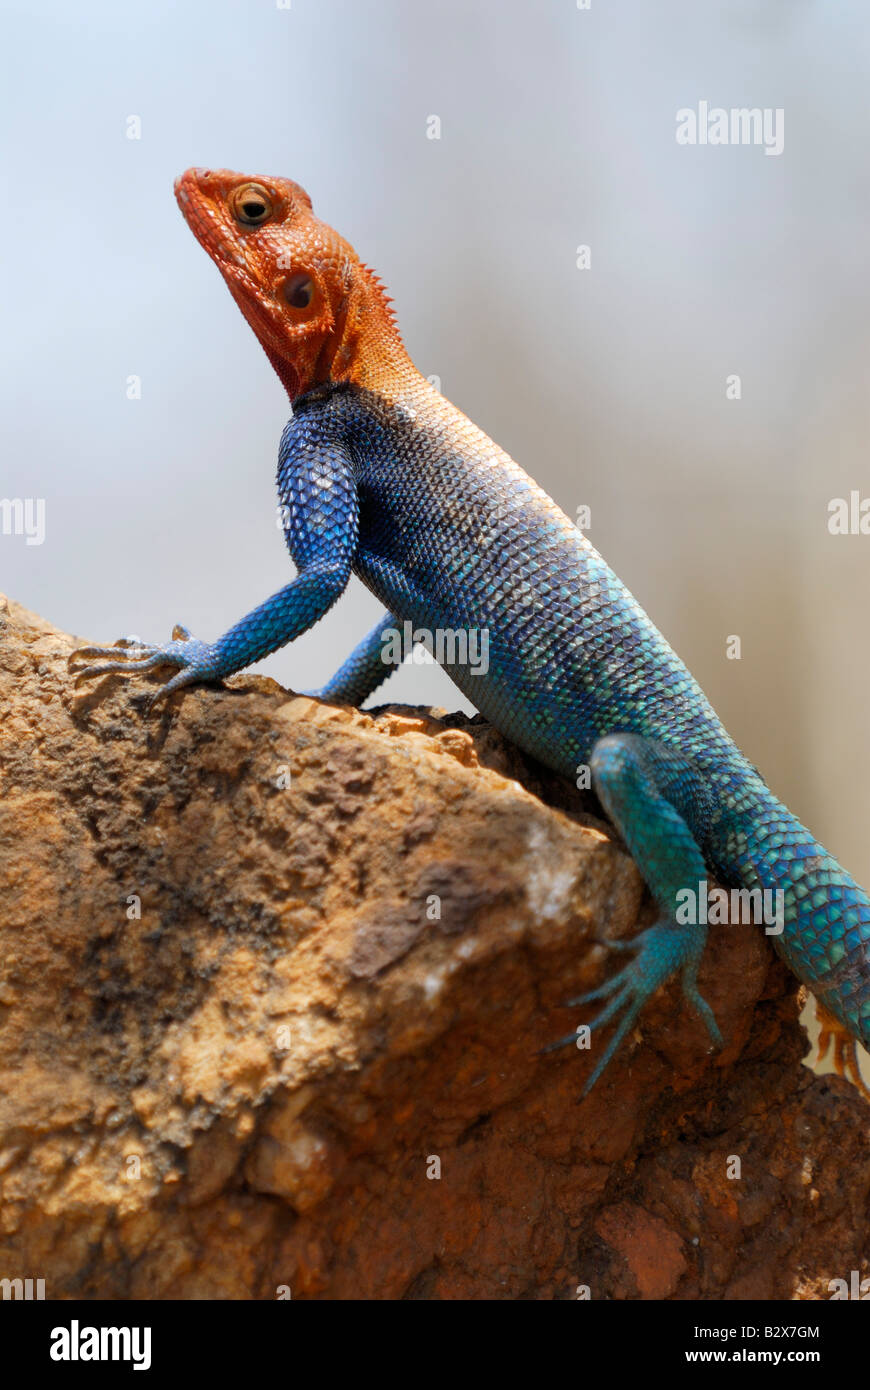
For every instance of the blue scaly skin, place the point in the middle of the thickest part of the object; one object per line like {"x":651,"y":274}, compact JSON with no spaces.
{"x":381,"y":477}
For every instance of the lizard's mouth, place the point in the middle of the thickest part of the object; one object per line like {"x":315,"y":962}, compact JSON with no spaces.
{"x":206,"y":218}
{"x":202,"y":195}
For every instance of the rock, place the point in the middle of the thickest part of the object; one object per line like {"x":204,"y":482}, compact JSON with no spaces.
{"x":274,"y":977}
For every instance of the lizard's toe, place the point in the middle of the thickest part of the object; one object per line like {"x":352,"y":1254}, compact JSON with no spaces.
{"x":128,"y":667}
{"x":123,"y":645}
{"x":187,"y":676}
{"x":663,"y":949}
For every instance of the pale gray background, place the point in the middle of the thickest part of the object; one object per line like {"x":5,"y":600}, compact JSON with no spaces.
{"x":608,"y":386}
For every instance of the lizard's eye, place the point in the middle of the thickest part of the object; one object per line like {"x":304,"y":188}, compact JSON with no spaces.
{"x":251,"y":204}
{"x":299,"y":290}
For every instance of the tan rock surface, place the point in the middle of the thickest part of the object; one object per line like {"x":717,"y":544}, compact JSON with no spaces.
{"x":269,"y":967}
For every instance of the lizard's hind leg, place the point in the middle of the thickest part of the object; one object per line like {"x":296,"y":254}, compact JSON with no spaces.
{"x":659,"y":801}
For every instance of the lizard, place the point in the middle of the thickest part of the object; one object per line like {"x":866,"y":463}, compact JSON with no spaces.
{"x":380,"y":476}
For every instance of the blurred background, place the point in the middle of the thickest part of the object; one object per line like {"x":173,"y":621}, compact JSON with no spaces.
{"x":607,"y":384}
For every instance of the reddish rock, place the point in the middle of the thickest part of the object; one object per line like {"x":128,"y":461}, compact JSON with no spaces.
{"x":274,"y":977}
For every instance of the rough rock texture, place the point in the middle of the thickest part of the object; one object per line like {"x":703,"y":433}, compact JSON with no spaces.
{"x":241,"y":1052}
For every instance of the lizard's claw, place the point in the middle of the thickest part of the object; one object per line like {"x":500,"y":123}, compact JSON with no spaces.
{"x":661,"y":950}
{"x":194,"y":658}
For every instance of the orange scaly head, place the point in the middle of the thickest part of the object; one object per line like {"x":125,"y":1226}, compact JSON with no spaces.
{"x":319,"y":312}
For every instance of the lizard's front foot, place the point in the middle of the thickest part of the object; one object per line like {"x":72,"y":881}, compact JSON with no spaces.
{"x":661,"y":950}
{"x":196,"y":660}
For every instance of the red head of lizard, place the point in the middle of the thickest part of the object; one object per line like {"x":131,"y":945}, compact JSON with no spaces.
{"x":320,"y":314}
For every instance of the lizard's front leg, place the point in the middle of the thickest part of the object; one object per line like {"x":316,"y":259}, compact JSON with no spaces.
{"x":322,"y":524}
{"x":654,"y":795}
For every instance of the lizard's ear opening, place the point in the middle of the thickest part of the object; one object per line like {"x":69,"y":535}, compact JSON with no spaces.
{"x":302,"y":295}
{"x":299,"y":290}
